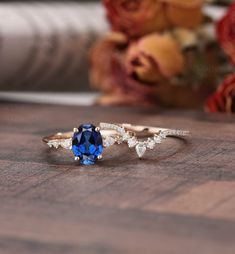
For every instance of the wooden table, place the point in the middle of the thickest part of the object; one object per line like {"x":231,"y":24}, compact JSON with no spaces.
{"x":179,"y":199}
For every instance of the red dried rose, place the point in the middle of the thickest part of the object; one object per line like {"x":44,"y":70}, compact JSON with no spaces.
{"x":223,"y":100}
{"x":136,"y":17}
{"x":139,"y":17}
{"x":226,"y":32}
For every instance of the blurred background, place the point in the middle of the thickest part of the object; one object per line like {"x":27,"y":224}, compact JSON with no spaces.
{"x":44,"y":44}
{"x":44,"y":47}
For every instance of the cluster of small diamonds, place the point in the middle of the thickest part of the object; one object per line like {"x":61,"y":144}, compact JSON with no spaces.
{"x":110,"y":126}
{"x":142,"y":146}
{"x":111,"y":140}
{"x":64,"y":143}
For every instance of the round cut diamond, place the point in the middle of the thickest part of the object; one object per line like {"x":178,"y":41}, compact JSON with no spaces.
{"x":126,"y":136}
{"x":132,"y":142}
{"x":151,"y":143}
{"x":87,"y":144}
{"x":109,"y":141}
{"x":157,"y":139}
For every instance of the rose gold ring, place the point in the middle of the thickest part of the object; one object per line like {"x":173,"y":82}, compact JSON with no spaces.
{"x":88,"y":141}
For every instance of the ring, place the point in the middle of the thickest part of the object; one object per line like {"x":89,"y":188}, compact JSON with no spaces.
{"x":87,"y":142}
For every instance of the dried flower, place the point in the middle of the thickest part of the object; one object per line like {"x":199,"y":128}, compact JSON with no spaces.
{"x":223,"y":100}
{"x":139,"y":17}
{"x":226,"y":32}
{"x":108,"y":72}
{"x":184,"y":13}
{"x":102,"y":56}
{"x":154,"y":57}
{"x":141,"y":72}
{"x":136,"y":17}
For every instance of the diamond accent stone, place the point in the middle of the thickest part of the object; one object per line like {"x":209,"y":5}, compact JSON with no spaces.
{"x":132,"y":142}
{"x":66,"y":143}
{"x":140,"y":149}
{"x":109,"y":141}
{"x":163,"y":135}
{"x":53,"y":143}
{"x":151,"y":143}
{"x":126,"y":136}
{"x":157,"y":139}
{"x":50,"y":144}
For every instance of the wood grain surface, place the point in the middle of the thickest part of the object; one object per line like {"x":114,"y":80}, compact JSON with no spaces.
{"x":179,"y":199}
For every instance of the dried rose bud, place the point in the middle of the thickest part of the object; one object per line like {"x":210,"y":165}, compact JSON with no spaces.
{"x":154,"y":57}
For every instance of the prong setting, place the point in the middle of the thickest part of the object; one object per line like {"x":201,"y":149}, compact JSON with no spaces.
{"x":97,"y":129}
{"x":100,"y":157}
{"x":75,"y":130}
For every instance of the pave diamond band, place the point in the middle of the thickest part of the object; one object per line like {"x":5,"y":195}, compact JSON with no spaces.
{"x":87,"y":141}
{"x":129,"y":133}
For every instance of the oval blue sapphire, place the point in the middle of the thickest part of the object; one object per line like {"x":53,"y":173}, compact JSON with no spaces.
{"x":87,"y":144}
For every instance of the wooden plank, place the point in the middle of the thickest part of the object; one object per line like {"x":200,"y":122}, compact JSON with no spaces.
{"x":180,"y":197}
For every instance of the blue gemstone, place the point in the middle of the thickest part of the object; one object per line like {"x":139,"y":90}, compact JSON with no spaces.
{"x":87,"y":144}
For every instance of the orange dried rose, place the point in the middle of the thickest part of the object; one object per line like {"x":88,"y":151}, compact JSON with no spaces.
{"x":139,"y":72}
{"x":154,"y":57}
{"x":136,"y":17}
{"x":109,"y":74}
{"x":184,"y":13}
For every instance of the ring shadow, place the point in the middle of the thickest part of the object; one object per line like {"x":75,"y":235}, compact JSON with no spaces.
{"x":127,"y":157}
{"x":130,"y":161}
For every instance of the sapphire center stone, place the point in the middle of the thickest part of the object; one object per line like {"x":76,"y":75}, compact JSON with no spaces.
{"x":87,"y":144}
